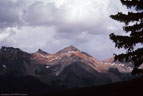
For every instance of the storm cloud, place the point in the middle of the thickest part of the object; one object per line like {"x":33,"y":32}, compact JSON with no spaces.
{"x":54,"y":24}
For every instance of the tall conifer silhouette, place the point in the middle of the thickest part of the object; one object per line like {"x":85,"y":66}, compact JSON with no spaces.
{"x":133,"y":21}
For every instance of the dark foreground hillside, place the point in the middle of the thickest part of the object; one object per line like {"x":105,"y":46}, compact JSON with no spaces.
{"x":129,"y":88}
{"x":24,"y":85}
{"x":32,"y":86}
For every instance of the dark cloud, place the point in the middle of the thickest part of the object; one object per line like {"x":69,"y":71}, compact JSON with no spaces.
{"x":55,"y":24}
{"x":9,"y":13}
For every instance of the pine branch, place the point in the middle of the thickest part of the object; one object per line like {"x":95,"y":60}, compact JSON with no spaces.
{"x":138,"y":4}
{"x":127,"y":18}
{"x":127,"y":42}
{"x":135,"y":57}
{"x":137,"y":34}
{"x":133,"y":28}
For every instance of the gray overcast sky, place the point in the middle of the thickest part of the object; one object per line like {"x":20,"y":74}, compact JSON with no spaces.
{"x":54,"y":24}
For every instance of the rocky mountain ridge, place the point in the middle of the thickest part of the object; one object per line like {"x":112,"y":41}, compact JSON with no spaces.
{"x":69,"y":67}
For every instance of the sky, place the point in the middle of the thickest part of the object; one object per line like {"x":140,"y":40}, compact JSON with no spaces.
{"x":52,"y":25}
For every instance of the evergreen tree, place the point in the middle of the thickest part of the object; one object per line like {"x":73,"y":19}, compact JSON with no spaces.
{"x":134,"y":26}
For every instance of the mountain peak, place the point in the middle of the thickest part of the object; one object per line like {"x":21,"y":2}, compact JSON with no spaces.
{"x":10,"y":50}
{"x":42,"y":52}
{"x":69,"y":48}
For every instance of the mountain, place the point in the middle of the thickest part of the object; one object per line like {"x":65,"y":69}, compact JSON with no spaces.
{"x":40,"y":51}
{"x":14,"y":61}
{"x":68,"y":68}
{"x":72,"y":68}
{"x":109,"y":60}
{"x":112,"y":60}
{"x":68,"y":49}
